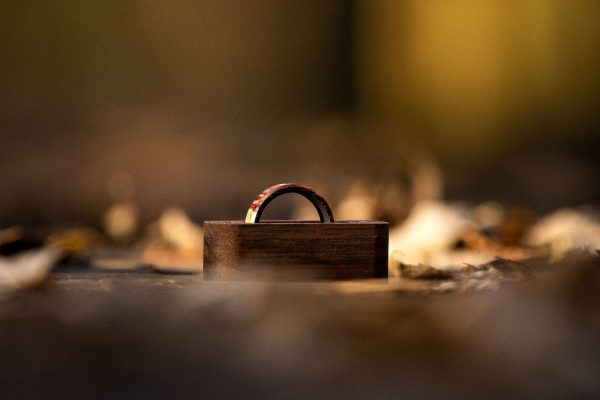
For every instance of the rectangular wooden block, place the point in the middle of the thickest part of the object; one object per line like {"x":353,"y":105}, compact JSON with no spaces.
{"x":295,"y":250}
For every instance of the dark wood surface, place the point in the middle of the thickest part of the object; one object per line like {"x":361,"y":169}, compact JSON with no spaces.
{"x":295,"y":250}
{"x":93,"y":334}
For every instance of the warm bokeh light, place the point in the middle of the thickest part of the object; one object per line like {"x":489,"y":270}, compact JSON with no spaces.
{"x":201,"y":104}
{"x":134,"y":135}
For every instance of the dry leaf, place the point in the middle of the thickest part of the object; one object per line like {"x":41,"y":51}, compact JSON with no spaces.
{"x":27,"y":270}
{"x":176,"y":243}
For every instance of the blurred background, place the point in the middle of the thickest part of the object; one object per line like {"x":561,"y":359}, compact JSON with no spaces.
{"x":202,"y":104}
{"x":473,"y":127}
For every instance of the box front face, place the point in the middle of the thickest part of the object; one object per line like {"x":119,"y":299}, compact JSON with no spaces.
{"x":297,"y":250}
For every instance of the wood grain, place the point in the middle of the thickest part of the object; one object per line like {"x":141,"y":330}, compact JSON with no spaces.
{"x":295,"y":250}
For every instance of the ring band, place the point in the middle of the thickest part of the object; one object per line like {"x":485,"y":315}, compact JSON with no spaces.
{"x":258,"y":206}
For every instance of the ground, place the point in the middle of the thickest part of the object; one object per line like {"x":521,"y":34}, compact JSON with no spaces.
{"x":140,"y":334}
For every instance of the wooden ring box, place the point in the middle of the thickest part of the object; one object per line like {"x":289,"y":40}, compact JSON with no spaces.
{"x":294,"y":250}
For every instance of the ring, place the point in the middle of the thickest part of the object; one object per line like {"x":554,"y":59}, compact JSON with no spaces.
{"x":258,"y":206}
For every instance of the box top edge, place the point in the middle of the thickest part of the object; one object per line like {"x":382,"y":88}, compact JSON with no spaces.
{"x":293,"y":222}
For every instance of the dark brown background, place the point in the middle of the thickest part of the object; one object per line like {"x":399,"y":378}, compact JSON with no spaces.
{"x":203,"y":104}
